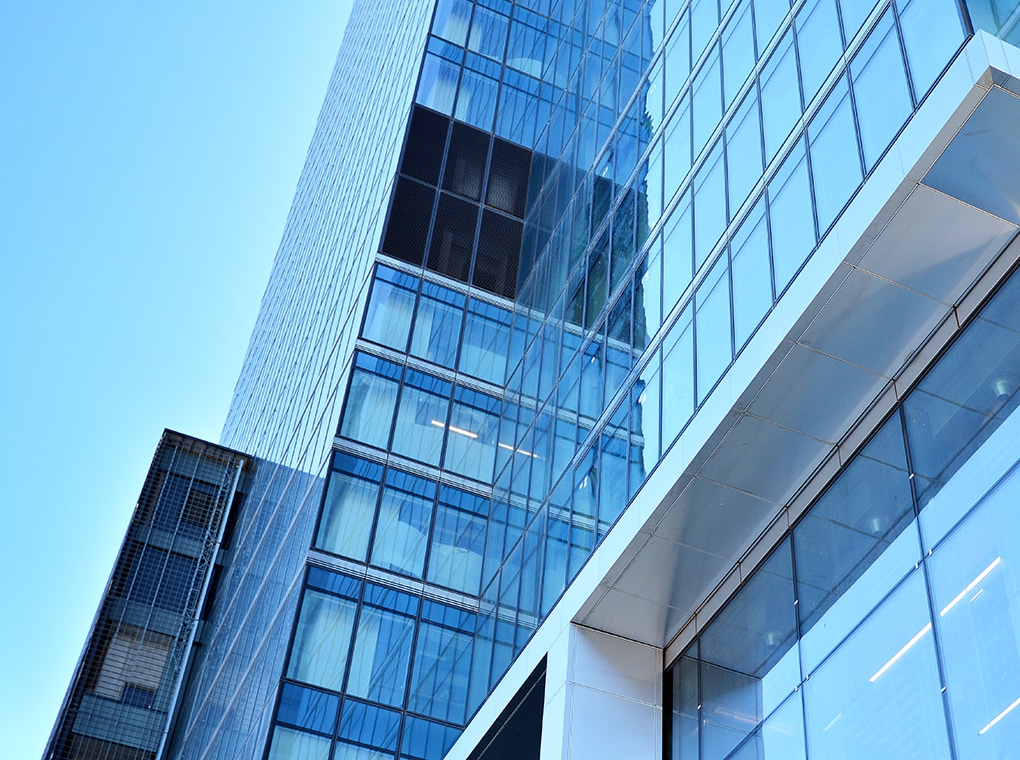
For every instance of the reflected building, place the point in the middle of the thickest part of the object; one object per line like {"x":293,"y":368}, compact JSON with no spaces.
{"x":635,"y":379}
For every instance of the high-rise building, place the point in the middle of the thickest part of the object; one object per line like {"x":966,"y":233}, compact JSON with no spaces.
{"x":634,"y":379}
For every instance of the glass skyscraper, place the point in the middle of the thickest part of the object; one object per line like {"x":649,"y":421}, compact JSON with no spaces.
{"x":635,"y":379}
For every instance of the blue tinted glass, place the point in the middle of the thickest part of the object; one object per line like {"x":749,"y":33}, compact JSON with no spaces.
{"x":836,"y":163}
{"x":707,"y":100}
{"x":369,"y":725}
{"x":780,"y":96}
{"x":483,"y":351}
{"x":442,"y":665}
{"x":307,"y":708}
{"x":709,"y":205}
{"x":382,"y":653}
{"x":743,"y":151}
{"x":438,"y":84}
{"x":334,"y":583}
{"x":677,"y":254}
{"x":818,"y":42}
{"x":390,"y":309}
{"x":752,"y":281}
{"x":678,"y":378}
{"x":712,"y":326}
{"x":793,"y":228}
{"x":437,"y":325}
{"x":737,"y":51}
{"x":932,"y":33}
{"x":880,"y":88}
{"x":425,"y":740}
{"x":768,"y":15}
{"x":677,"y":151}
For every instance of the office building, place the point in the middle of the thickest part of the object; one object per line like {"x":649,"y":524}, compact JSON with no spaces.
{"x":635,"y":379}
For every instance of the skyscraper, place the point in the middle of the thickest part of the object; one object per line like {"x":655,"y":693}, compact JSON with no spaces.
{"x":635,"y":379}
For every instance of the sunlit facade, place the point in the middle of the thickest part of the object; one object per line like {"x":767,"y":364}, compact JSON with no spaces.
{"x":635,"y":379}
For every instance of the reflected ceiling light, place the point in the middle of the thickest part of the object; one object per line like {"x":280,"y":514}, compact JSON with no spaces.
{"x":1000,"y":716}
{"x":906,"y":647}
{"x":970,"y":586}
{"x":508,"y":447}
{"x":453,"y":429}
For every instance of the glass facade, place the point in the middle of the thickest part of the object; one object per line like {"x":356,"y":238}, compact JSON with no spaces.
{"x":523,"y":258}
{"x":882,"y":624}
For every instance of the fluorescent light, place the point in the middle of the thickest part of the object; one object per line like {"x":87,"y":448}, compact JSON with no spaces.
{"x":437,"y":423}
{"x":1000,"y":716}
{"x":970,"y":586}
{"x":461,"y":431}
{"x":917,"y":637}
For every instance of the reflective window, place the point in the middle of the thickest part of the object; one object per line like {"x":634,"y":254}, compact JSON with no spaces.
{"x":349,"y":507}
{"x":743,"y":151}
{"x":835,"y":161}
{"x":818,"y":42}
{"x":307,"y":708}
{"x":390,"y":308}
{"x":405,"y":513}
{"x":780,"y":96}
{"x":437,"y":325}
{"x":442,"y":665}
{"x":421,"y":418}
{"x":793,"y":228}
{"x":752,"y":280}
{"x":322,"y":640}
{"x":712,"y":326}
{"x":458,"y":540}
{"x":483,"y":351}
{"x":931,"y":34}
{"x":880,"y":87}
{"x":382,"y":655}
{"x":677,"y":378}
{"x":289,"y":744}
{"x":368,"y":413}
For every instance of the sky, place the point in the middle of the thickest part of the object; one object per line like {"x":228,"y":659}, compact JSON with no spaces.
{"x":149,"y":152}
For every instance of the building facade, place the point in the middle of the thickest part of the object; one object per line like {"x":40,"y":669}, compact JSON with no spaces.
{"x":635,"y":379}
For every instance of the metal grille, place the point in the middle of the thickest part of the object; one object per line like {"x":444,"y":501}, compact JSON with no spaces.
{"x":121,"y":699}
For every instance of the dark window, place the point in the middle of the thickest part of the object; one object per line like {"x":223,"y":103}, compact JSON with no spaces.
{"x":426,"y":141}
{"x":508,"y":178}
{"x":465,"y":162}
{"x":453,"y":238}
{"x":499,"y":248}
{"x":408,"y":226}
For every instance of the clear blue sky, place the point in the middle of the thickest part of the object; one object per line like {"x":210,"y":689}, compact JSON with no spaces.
{"x":148,"y":155}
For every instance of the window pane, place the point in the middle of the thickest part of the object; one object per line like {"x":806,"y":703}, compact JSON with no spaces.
{"x":347,"y":514}
{"x":752,"y":282}
{"x":458,"y":541}
{"x":370,"y":725}
{"x":437,"y":325}
{"x":401,"y":537}
{"x":388,"y":317}
{"x":793,"y":229}
{"x":818,"y":42}
{"x":780,"y":96}
{"x":709,"y":205}
{"x":442,"y":665}
{"x":307,"y":708}
{"x":677,"y":254}
{"x":931,"y":34}
{"x":743,"y":151}
{"x":368,"y":413}
{"x":879,"y":696}
{"x":289,"y":744}
{"x":382,"y":652}
{"x":421,"y":418}
{"x":880,"y":87}
{"x":737,"y":51}
{"x":486,"y":334}
{"x":835,"y":162}
{"x":975,"y":580}
{"x":438,"y":84}
{"x":707,"y":100}
{"x":322,"y":640}
{"x":677,"y":378}
{"x":712,"y":326}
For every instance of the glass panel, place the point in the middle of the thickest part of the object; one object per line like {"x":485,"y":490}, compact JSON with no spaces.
{"x":678,"y":378}
{"x":818,"y":42}
{"x":438,"y":84}
{"x":932,"y":33}
{"x":345,"y":751}
{"x":390,"y":309}
{"x":835,"y":161}
{"x":768,"y":16}
{"x":451,"y":20}
{"x":401,"y":538}
{"x":307,"y":708}
{"x":712,"y":325}
{"x":683,"y":680}
{"x":880,"y":88}
{"x":370,"y":725}
{"x":442,"y":664}
{"x":752,"y":281}
{"x":488,"y":33}
{"x":473,"y":429}
{"x":437,"y":325}
{"x":349,"y":508}
{"x":322,"y":640}
{"x":737,"y":52}
{"x":421,"y":418}
{"x":677,"y":153}
{"x":382,"y":653}
{"x":879,"y":695}
{"x":678,"y":60}
{"x":476,"y":103}
{"x":486,"y":334}
{"x":976,"y":582}
{"x":709,"y":205}
{"x":425,"y":740}
{"x":458,"y":541}
{"x":677,"y":254}
{"x":793,"y":229}
{"x":289,"y":744}
{"x":368,"y":414}
{"x":780,"y":96}
{"x":707,"y":100}
{"x":743,"y":151}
